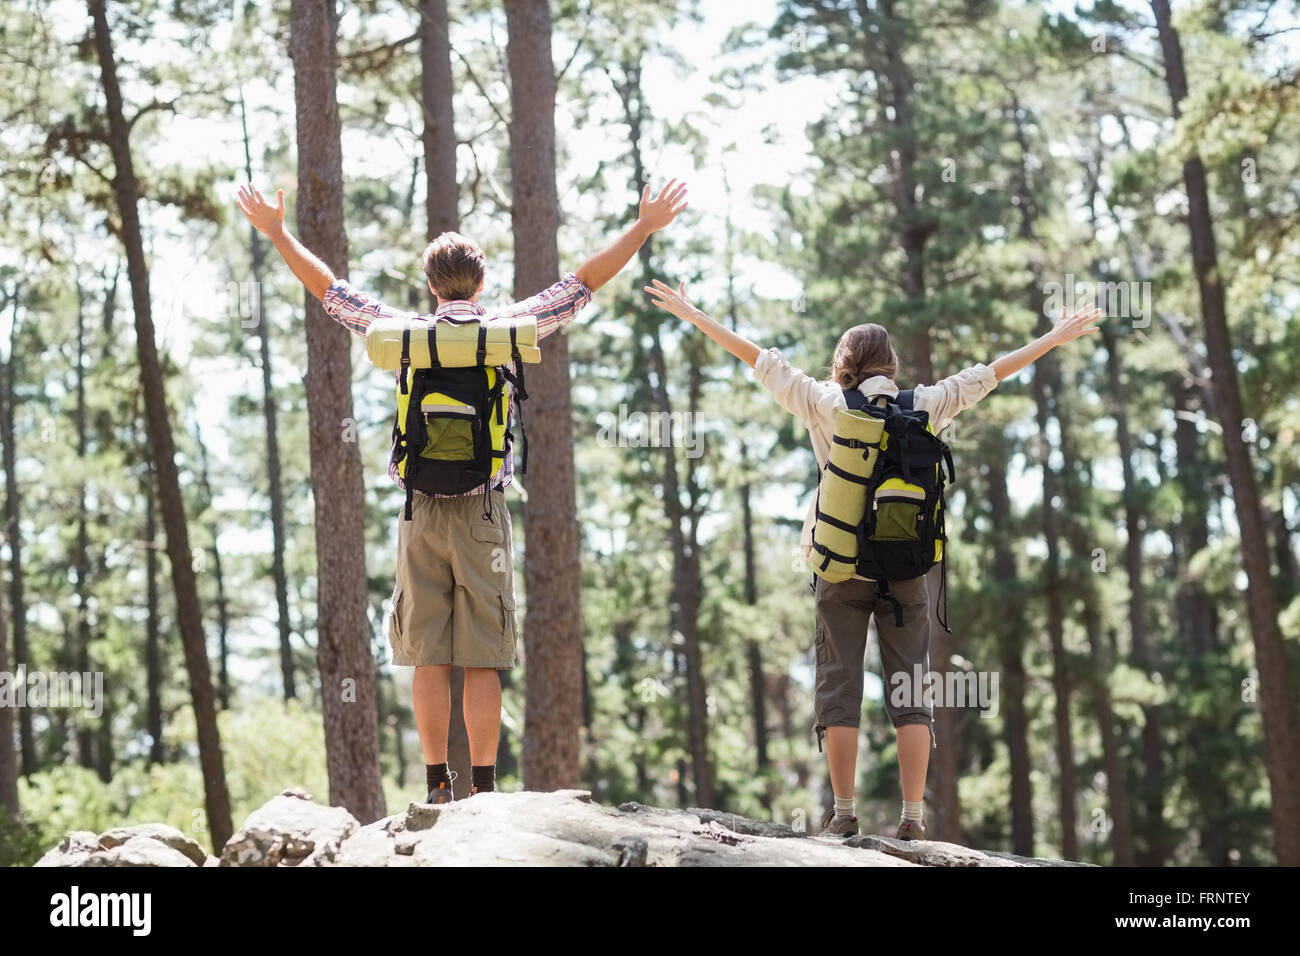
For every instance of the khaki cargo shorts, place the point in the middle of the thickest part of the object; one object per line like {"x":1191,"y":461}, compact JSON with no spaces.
{"x":844,"y":611}
{"x":454,"y":600}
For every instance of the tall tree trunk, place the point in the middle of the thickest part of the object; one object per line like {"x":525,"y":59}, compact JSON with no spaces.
{"x":553,"y":624}
{"x":81,"y":553}
{"x":1151,"y":822}
{"x":1067,"y":786}
{"x":1076,"y":530}
{"x":344,"y":654}
{"x":1277,"y":698}
{"x":218,"y":578}
{"x":1044,"y":374}
{"x":691,"y":588}
{"x":188,"y":613}
{"x":152,"y":637}
{"x":275,"y":489}
{"x":1197,"y":614}
{"x":442,"y":195}
{"x":440,"y":206}
{"x":8,"y":753}
{"x":753,"y":650}
{"x":682,"y":519}
{"x":1011,"y":650}
{"x":13,"y":512}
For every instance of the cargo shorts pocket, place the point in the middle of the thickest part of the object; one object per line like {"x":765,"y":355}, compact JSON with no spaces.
{"x":509,"y":634}
{"x":498,"y":560}
{"x":823,"y":649}
{"x":395,"y":628}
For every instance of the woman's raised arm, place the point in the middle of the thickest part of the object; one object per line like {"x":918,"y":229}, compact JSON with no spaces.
{"x":1066,"y":329}
{"x":677,"y":302}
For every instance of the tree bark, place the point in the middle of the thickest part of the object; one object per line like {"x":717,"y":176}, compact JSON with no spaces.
{"x":1011,"y":649}
{"x":553,"y":623}
{"x":439,"y":139}
{"x":1120,"y":832}
{"x":1044,"y":374}
{"x":1277,"y":698}
{"x":218,"y":579}
{"x":1067,"y":786}
{"x":8,"y":753}
{"x":753,"y":650}
{"x":13,"y":512}
{"x":344,"y":653}
{"x":1151,"y":822}
{"x":188,"y":612}
{"x":270,"y":413}
{"x":153,"y":716}
{"x":682,"y":519}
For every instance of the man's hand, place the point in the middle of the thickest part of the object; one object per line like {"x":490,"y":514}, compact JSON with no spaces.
{"x":266,"y":219}
{"x":269,"y":220}
{"x":654,"y":214}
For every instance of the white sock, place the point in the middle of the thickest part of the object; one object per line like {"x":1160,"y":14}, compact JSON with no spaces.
{"x":912,"y":810}
{"x":844,"y":806}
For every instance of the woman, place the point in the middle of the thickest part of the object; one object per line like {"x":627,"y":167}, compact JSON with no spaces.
{"x":865,"y":360}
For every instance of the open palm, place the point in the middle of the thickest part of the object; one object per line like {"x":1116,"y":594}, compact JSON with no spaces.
{"x":658,"y":212}
{"x":1080,"y":323}
{"x":266,"y":219}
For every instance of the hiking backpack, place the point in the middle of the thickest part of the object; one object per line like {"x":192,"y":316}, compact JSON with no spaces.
{"x":902,"y":502}
{"x":453,"y":423}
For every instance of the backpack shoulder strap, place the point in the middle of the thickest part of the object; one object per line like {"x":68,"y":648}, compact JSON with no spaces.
{"x":905,"y":398}
{"x":857,"y":401}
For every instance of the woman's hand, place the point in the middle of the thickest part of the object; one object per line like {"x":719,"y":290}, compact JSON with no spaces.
{"x":675,"y":301}
{"x":266,"y":219}
{"x":1068,"y":328}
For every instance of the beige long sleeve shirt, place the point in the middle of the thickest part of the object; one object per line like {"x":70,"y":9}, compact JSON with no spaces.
{"x":815,"y":403}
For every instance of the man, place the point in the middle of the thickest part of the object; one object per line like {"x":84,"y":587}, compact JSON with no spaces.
{"x":453,"y":602}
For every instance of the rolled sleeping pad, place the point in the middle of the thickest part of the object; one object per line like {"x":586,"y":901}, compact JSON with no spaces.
{"x":457,"y":342}
{"x":842,"y":495}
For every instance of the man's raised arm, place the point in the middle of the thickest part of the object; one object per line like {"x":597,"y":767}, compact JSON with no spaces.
{"x":269,"y":221}
{"x":653,"y":215}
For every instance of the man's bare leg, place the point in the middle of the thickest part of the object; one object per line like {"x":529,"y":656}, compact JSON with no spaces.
{"x":482,"y":714}
{"x":431,"y":701}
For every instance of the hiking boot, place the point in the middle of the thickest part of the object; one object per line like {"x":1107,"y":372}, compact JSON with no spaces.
{"x":442,"y":793}
{"x":911,"y":830}
{"x":839,"y":826}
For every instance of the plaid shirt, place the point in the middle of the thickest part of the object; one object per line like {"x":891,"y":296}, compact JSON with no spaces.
{"x":553,"y":308}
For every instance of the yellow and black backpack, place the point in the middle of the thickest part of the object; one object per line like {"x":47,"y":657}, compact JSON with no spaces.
{"x":453,"y":421}
{"x":880,"y":504}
